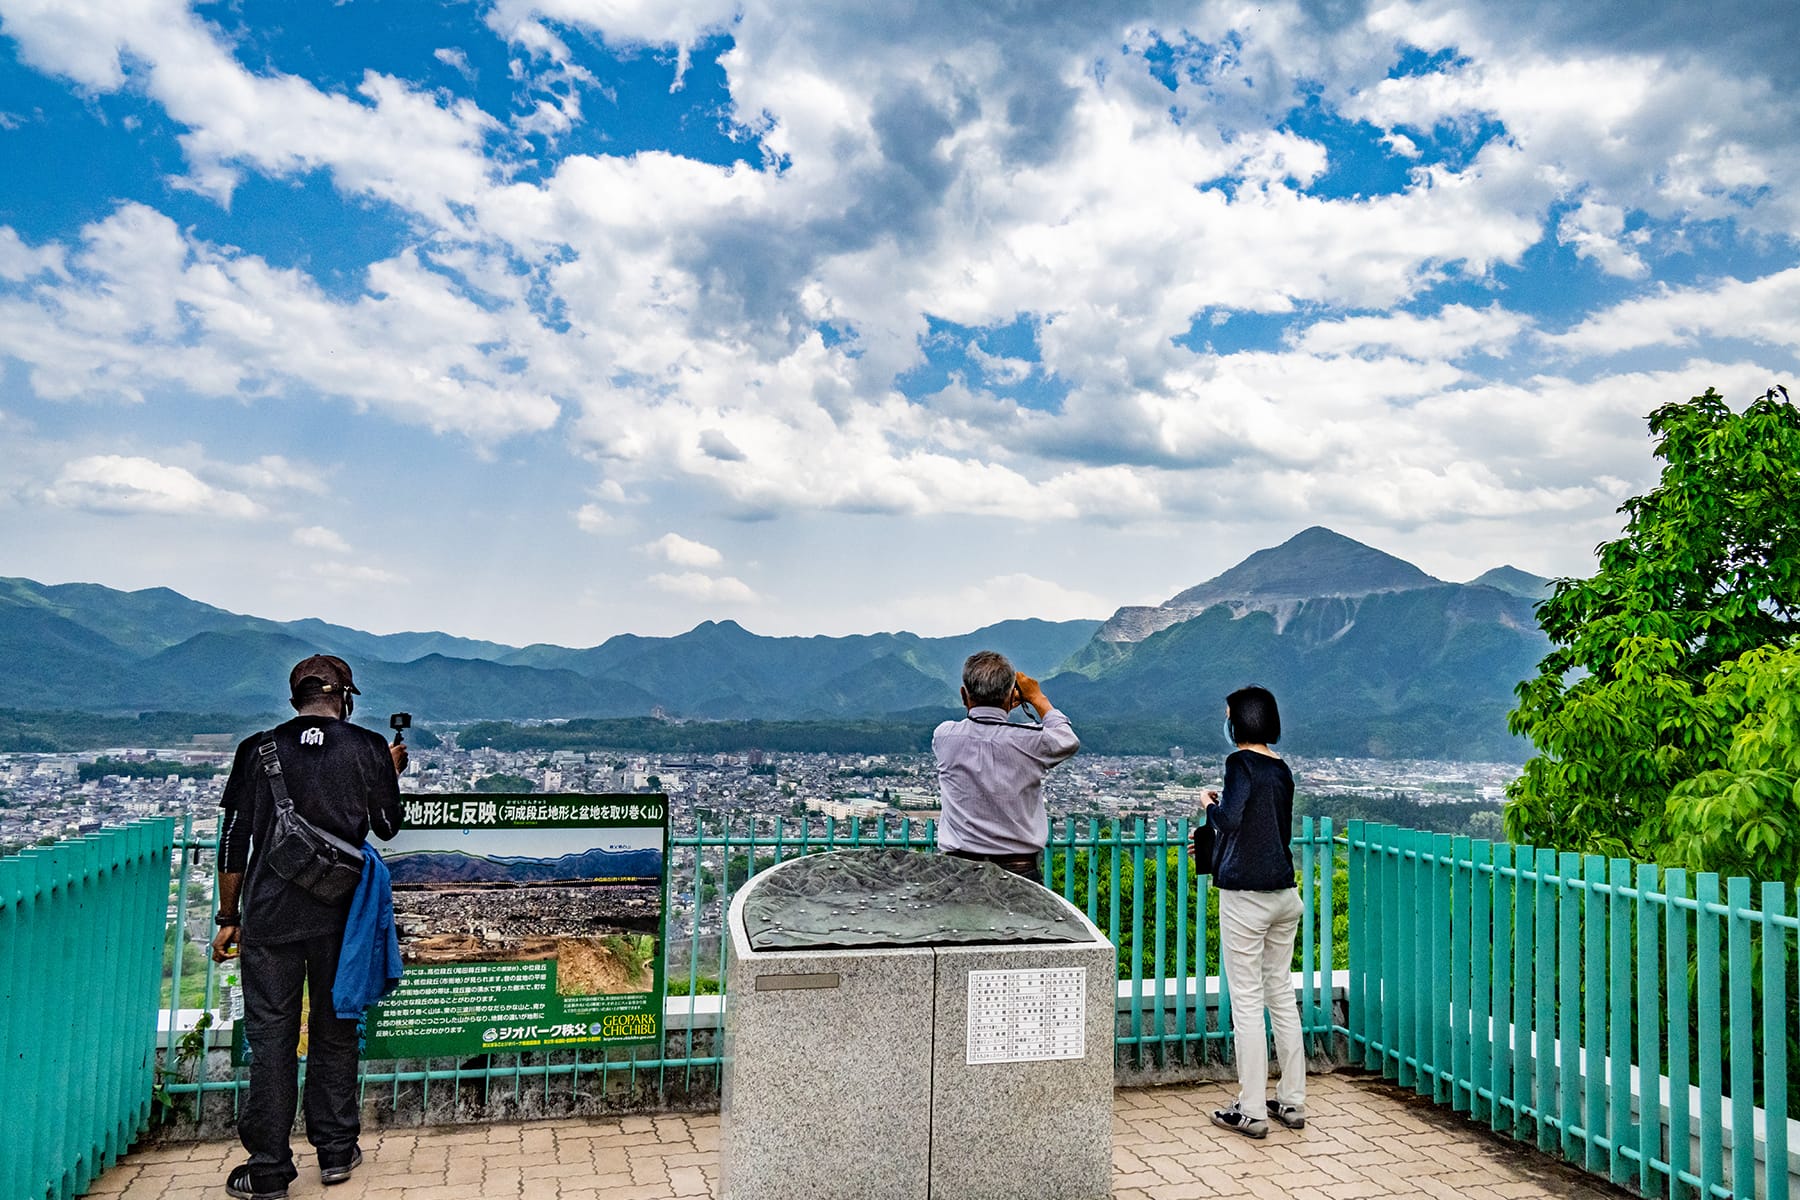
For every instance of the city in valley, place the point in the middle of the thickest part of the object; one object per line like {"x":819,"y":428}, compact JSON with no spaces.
{"x":44,"y":797}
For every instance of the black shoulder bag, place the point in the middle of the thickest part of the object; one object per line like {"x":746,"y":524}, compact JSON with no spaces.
{"x":321,"y":864}
{"x":1203,"y":846}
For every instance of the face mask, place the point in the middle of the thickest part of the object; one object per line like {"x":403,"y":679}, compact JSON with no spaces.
{"x":1229,"y":736}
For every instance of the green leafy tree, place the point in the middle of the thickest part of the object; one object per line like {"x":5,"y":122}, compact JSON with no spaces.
{"x":1742,"y":817}
{"x":1639,"y":695}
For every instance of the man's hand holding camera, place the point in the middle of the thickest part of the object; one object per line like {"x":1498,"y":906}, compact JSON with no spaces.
{"x":1026,"y":691}
{"x":399,"y":723}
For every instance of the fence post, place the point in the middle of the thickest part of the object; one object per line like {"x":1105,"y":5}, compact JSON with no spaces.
{"x":18,"y":1015}
{"x":1649,"y":1018}
{"x":1618,"y":996}
{"x":1182,"y":887}
{"x":1328,"y":930}
{"x":1137,"y":941}
{"x":1309,"y":1007}
{"x":1360,"y":1001}
{"x":1403,"y":881}
{"x":1440,"y":877}
{"x":1545,"y":885}
{"x":1462,"y":969}
{"x":1675,"y":886}
{"x":1594,"y":945}
{"x":1500,"y":1000}
{"x":1776,"y":1020}
{"x":1712,"y":1092}
{"x":1157,"y":1022}
{"x":1743,"y":1054}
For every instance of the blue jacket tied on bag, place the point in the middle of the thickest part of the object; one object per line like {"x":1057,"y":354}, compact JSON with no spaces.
{"x":369,"y":965}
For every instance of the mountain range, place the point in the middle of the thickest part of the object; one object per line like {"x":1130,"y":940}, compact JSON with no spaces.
{"x":453,"y":866}
{"x":1368,"y":654}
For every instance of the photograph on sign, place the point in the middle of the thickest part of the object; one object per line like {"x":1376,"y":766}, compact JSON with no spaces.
{"x":591,"y":899}
{"x":526,"y":923}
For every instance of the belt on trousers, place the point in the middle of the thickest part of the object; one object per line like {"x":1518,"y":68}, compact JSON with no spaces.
{"x":1018,"y":864}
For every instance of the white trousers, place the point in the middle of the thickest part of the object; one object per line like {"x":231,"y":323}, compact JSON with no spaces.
{"x":1256,"y":944}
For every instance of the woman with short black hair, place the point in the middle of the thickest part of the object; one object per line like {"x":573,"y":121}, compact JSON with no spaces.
{"x":1259,"y":914}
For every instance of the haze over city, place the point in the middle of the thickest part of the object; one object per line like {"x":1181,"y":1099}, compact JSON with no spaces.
{"x":545,"y":321}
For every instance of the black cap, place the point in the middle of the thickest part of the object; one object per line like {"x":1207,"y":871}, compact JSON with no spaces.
{"x":319,"y":675}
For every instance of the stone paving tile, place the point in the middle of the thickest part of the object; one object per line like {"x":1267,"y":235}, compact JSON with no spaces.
{"x":1363,"y":1139}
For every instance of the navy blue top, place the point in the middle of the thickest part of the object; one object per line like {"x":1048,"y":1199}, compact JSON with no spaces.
{"x":1254,"y":819}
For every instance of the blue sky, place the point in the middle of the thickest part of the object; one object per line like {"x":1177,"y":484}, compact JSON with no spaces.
{"x":546,"y":320}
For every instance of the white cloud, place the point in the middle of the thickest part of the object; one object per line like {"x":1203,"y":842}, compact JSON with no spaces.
{"x":1597,"y":231}
{"x":1021,"y":595}
{"x":957,"y":610}
{"x":113,"y":483}
{"x":692,"y":585}
{"x":960,"y":168}
{"x":342,"y":576}
{"x":1450,"y":333}
{"x":591,"y":518}
{"x":147,"y":307}
{"x":389,"y":140}
{"x":19,"y":261}
{"x":679,"y":23}
{"x":1765,"y":310}
{"x":456,"y":59}
{"x":683,"y":552}
{"x":317,"y":537}
{"x":275,"y":473}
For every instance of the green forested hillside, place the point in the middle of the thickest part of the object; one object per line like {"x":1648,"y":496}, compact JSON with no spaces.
{"x":1426,"y":672}
{"x":1380,"y":660}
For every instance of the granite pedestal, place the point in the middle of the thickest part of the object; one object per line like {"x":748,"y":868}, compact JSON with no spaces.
{"x":902,"y":1026}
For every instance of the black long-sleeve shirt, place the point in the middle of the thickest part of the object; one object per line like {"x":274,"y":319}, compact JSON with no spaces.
{"x":1254,"y":822}
{"x":341,"y":778}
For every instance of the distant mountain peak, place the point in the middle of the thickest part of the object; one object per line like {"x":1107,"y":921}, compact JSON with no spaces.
{"x":726,"y":628}
{"x":1314,"y":562}
{"x":1512,"y":580}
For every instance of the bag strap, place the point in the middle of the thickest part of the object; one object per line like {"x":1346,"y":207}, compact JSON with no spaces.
{"x":1032,"y":725}
{"x":271,"y":766}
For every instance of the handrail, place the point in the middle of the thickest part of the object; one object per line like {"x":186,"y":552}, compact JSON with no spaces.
{"x":1159,"y":922}
{"x":1633,"y":1019}
{"x":1568,"y":994}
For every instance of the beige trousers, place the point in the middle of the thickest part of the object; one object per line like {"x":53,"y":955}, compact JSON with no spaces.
{"x":1256,"y":945}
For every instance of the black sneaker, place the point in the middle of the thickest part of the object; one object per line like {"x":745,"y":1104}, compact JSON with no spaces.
{"x":1291,"y":1115}
{"x":243,"y":1184}
{"x":1238,"y":1121}
{"x":335,"y":1168}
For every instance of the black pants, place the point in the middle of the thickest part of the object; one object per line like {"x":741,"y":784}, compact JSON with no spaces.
{"x":272,"y":977}
{"x":1030,"y":866}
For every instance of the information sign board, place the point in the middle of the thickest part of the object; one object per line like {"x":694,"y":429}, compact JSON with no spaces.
{"x":526,"y":922}
{"x":1027,"y":1016}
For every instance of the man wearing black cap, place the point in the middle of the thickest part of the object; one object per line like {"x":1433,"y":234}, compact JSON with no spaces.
{"x":345,"y":780}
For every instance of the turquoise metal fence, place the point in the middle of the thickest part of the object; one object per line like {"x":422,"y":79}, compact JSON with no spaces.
{"x":1631,"y":1019}
{"x":81,"y":933}
{"x":1132,"y":878}
{"x":1623,"y":1016}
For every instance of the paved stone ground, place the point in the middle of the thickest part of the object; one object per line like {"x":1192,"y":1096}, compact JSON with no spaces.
{"x":1362,"y":1138}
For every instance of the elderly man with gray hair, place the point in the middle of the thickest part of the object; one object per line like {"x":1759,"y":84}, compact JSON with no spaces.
{"x":991,"y":770}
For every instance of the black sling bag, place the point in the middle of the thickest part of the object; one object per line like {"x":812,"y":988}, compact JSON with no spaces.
{"x":321,"y":864}
{"x":1205,"y":841}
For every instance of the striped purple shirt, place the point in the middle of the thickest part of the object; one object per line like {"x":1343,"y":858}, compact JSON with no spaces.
{"x":991,"y":778}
